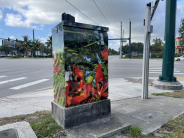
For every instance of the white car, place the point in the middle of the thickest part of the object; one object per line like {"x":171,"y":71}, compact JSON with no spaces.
{"x":179,"y":58}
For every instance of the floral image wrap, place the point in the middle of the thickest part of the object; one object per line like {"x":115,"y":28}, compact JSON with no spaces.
{"x":80,"y":63}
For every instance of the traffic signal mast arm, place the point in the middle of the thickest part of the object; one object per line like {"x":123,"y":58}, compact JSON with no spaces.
{"x":120,"y":39}
{"x":16,"y":40}
{"x":154,"y":8}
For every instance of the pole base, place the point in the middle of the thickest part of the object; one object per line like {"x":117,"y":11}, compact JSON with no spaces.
{"x":168,"y":85}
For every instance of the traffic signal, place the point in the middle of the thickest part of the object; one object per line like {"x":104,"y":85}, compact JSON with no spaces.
{"x":144,"y":22}
{"x":8,"y":39}
{"x":16,"y":40}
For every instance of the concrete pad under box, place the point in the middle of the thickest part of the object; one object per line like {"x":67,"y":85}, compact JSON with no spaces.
{"x":76,"y":115}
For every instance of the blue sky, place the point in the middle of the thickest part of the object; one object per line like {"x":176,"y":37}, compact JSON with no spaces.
{"x":19,"y":17}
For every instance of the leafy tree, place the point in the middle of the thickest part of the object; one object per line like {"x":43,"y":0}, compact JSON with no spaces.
{"x":38,"y":45}
{"x":49,"y":44}
{"x":138,"y":47}
{"x":44,"y":49}
{"x":5,"y":48}
{"x":157,"y":45}
{"x":181,"y":33}
{"x":25,"y":44}
{"x":112,"y":52}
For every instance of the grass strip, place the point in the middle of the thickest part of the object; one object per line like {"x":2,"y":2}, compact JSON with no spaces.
{"x":41,"y":122}
{"x":175,"y":94}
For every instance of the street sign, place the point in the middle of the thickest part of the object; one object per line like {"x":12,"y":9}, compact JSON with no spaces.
{"x":123,"y":41}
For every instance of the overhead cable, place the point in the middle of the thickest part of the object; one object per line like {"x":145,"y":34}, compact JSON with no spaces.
{"x":103,"y":15}
{"x":81,"y":12}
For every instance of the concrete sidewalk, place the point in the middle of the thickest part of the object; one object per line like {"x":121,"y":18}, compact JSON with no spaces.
{"x":126,"y":104}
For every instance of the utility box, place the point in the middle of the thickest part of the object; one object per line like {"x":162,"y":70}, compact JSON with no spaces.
{"x":80,"y":73}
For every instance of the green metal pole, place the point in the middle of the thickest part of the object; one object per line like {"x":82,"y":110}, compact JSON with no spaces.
{"x":169,"y":46}
{"x":34,"y":43}
{"x":130,"y":41}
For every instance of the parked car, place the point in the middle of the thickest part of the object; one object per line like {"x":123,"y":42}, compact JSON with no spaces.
{"x":179,"y":58}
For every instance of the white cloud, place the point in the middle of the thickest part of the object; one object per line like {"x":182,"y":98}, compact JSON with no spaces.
{"x":43,"y":39}
{"x":16,"y":20}
{"x":1,"y":14}
{"x":11,"y":37}
{"x":0,"y":29}
{"x":114,"y":45}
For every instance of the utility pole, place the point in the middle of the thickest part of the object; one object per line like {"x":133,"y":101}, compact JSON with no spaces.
{"x":121,"y":42}
{"x":123,"y":37}
{"x":2,"y":40}
{"x":33,"y":43}
{"x":130,"y":40}
{"x":146,"y":50}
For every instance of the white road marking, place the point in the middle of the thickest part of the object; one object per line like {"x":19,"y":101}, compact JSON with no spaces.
{"x":28,"y":84}
{"x":2,"y":82}
{"x":157,"y":68}
{"x":2,"y":76}
{"x":161,"y":72}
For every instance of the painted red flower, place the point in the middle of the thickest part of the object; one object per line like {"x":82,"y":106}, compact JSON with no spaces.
{"x":81,"y":94}
{"x":99,"y":74}
{"x":101,"y":91}
{"x":85,"y":93}
{"x":57,"y":69}
{"x":79,"y":74}
{"x":105,"y":53}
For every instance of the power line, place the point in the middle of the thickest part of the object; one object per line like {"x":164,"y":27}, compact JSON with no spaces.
{"x":113,"y":9}
{"x":80,"y":12}
{"x":116,"y":9}
{"x":103,"y":14}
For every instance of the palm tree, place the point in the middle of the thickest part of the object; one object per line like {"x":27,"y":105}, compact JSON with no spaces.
{"x":38,"y":45}
{"x":25,"y":44}
{"x":49,"y":43}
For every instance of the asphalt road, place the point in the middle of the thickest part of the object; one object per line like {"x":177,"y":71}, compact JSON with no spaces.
{"x":123,"y":68}
{"x":24,"y":75}
{"x":38,"y":73}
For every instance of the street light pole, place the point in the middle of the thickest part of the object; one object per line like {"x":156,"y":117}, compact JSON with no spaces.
{"x":167,"y":80}
{"x":2,"y":40}
{"x":130,"y":40}
{"x":169,"y":46}
{"x":33,"y":43}
{"x":121,"y":42}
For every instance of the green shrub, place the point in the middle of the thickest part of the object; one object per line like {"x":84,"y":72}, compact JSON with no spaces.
{"x":159,"y":55}
{"x":177,"y":55}
{"x":127,"y":55}
{"x":153,"y":55}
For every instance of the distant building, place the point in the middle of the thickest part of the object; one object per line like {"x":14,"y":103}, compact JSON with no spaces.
{"x":178,"y":44}
{"x":10,"y":43}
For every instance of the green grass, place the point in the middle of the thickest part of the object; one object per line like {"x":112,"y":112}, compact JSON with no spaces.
{"x":175,"y":94}
{"x":41,"y":122}
{"x":133,"y":131}
{"x":45,"y":127}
